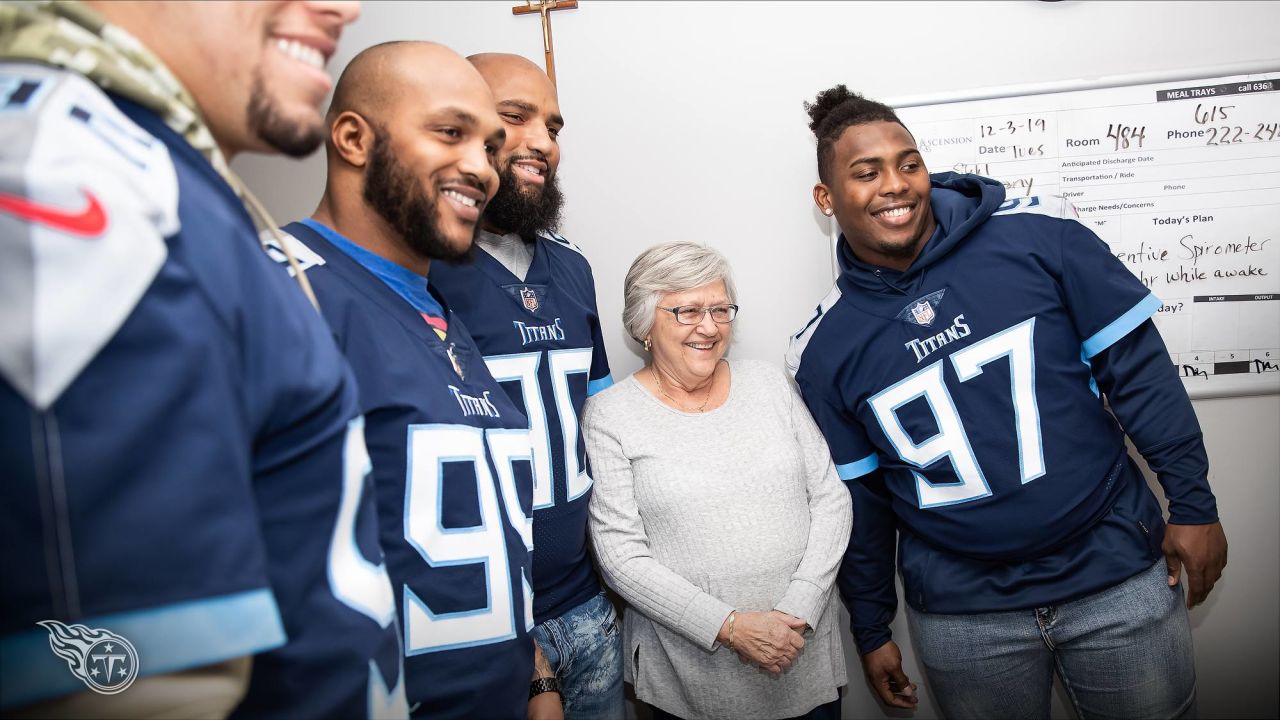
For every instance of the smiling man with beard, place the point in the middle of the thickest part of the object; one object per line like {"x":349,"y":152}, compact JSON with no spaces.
{"x":412,"y":144}
{"x":178,"y":531}
{"x":528,"y":298}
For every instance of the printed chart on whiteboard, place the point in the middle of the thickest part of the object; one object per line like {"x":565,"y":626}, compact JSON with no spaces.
{"x":1180,"y":179}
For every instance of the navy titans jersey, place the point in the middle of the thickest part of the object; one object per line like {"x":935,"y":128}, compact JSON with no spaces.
{"x":959,"y":398}
{"x":541,"y":340}
{"x":452,"y":465}
{"x":174,"y":425}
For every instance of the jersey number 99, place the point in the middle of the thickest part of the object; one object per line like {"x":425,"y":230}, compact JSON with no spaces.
{"x":431,"y":448}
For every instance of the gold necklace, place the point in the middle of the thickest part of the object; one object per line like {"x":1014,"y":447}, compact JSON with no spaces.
{"x":680,"y":407}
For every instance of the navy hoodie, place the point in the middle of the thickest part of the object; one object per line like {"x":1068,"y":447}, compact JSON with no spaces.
{"x":963,"y":401}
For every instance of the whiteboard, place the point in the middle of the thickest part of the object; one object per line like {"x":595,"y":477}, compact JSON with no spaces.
{"x":1180,"y":176}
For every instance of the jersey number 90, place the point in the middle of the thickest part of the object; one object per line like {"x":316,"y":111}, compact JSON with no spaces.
{"x":524,"y":368}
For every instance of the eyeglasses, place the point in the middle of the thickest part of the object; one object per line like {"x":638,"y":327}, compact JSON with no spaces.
{"x":692,"y":315}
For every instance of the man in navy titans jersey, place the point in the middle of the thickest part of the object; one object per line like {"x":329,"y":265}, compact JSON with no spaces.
{"x":528,"y":298}
{"x":412,"y":141}
{"x":175,"y":421}
{"x":958,"y":369}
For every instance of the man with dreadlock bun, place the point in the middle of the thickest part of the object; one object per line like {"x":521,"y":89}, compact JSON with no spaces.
{"x":958,"y":370}
{"x":186,"y":527}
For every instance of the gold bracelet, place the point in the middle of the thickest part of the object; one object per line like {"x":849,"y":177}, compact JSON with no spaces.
{"x":732,"y":616}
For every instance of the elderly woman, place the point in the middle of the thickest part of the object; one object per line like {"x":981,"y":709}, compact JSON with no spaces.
{"x":716,"y":512}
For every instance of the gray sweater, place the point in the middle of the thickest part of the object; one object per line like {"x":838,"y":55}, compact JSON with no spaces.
{"x":697,"y":514}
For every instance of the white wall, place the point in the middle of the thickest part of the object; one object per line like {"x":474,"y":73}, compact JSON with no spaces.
{"x":685,"y":122}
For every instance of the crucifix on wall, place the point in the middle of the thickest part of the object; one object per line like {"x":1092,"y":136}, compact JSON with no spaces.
{"x":544,"y":8}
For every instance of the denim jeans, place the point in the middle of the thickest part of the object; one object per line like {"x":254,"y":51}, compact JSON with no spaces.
{"x":584,"y":647}
{"x":1124,"y":652}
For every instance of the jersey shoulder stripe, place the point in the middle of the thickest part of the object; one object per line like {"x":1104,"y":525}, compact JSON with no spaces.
{"x":858,"y":468}
{"x":1121,"y":326}
{"x":800,"y":341}
{"x":87,"y":199}
{"x":559,"y":239}
{"x":599,"y":385}
{"x":302,"y":254}
{"x":1055,"y":206}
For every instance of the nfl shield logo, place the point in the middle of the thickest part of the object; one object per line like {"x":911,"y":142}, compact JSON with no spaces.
{"x":530,"y":299}
{"x":922,"y":312}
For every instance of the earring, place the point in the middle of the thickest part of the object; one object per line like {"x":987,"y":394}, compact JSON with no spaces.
{"x":648,"y":345}
{"x":827,"y":212}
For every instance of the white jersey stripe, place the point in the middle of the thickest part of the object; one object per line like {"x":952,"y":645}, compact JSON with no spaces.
{"x":800,"y":340}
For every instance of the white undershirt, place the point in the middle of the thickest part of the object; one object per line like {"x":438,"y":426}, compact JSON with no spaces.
{"x":511,"y":250}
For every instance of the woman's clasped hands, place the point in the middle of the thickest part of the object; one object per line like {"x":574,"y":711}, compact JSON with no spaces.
{"x":769,"y":640}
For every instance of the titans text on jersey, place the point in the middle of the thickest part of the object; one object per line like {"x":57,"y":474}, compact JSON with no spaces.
{"x":174,"y":424}
{"x":923,"y":347}
{"x":541,"y":339}
{"x":963,"y":397}
{"x":539,"y":333}
{"x":451,"y":461}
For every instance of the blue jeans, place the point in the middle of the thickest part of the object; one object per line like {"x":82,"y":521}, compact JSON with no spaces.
{"x":1124,"y":652}
{"x":584,"y":647}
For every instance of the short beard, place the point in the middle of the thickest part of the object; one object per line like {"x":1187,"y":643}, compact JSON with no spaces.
{"x":293,"y":138}
{"x":525,"y":213}
{"x":909,"y":251}
{"x":396,"y":195}
{"x":901,"y":252}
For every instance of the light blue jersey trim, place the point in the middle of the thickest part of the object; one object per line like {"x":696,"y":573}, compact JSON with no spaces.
{"x":858,"y":468}
{"x":1093,"y":381}
{"x":168,"y":639}
{"x":1123,"y":325}
{"x":405,"y":282}
{"x":598,"y":385}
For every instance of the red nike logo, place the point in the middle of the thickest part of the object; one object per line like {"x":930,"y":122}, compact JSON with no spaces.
{"x":89,"y":222}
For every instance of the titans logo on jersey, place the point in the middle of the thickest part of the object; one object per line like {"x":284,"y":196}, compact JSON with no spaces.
{"x":174,"y":424}
{"x":451,"y":461}
{"x":541,"y":339}
{"x":970,"y":384}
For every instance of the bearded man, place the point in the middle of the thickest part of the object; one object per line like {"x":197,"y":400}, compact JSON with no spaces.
{"x":412,"y":146}
{"x":528,"y":297}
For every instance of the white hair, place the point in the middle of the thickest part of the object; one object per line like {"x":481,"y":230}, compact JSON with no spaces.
{"x":667,"y":268}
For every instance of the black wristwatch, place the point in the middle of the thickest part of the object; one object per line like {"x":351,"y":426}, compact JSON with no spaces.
{"x":546,"y":684}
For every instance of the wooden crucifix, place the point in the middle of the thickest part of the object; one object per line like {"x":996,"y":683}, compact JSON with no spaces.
{"x":544,"y":8}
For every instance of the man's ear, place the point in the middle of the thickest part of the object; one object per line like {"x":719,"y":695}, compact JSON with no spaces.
{"x":822,"y":198}
{"x":352,"y":138}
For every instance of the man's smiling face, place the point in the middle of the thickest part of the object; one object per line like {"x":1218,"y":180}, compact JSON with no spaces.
{"x":529,"y":198}
{"x":879,"y":191}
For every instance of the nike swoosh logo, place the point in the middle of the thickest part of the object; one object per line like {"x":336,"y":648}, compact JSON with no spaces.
{"x":89,"y":222}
